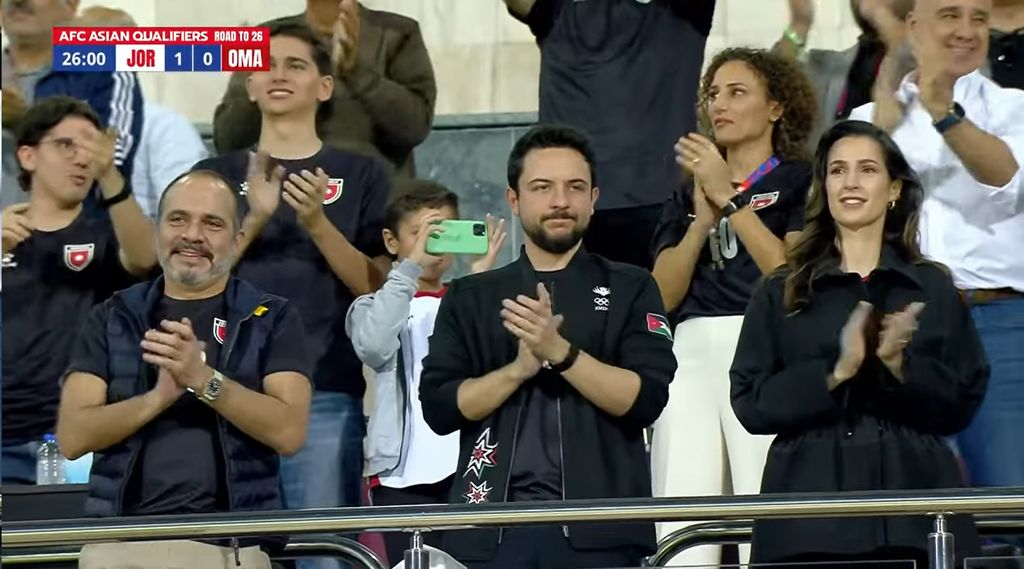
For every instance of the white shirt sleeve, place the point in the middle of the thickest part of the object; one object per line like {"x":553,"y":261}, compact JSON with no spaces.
{"x":1007,"y":108}
{"x":172,"y":147}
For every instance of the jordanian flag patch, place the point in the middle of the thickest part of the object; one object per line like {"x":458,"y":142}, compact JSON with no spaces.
{"x":658,"y":324}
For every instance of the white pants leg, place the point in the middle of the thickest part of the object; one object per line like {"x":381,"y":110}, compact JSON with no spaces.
{"x":747,"y":453}
{"x":699,"y":447}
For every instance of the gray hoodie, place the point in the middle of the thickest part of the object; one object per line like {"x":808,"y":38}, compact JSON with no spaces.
{"x":377,"y":325}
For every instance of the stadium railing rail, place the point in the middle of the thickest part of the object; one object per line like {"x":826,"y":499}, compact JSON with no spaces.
{"x":936,"y":504}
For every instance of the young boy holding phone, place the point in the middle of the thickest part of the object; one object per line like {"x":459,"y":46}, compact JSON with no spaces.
{"x":406,"y":461}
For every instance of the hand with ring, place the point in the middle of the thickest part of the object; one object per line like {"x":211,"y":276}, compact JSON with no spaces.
{"x":897,"y":331}
{"x":701,"y":158}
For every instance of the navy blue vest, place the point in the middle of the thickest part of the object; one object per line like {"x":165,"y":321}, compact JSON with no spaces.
{"x":251,"y":467}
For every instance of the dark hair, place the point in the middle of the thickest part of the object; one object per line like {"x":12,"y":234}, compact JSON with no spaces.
{"x":41,"y":118}
{"x":900,"y":8}
{"x":417,"y":195}
{"x":785,"y":83}
{"x":240,"y":205}
{"x":321,"y":58}
{"x":816,"y":247}
{"x":549,"y":136}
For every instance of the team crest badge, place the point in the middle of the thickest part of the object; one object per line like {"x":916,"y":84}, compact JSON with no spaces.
{"x":482,"y":455}
{"x":658,"y":324}
{"x":761,"y":201}
{"x":334,"y":188}
{"x":78,"y":257}
{"x":220,"y":330}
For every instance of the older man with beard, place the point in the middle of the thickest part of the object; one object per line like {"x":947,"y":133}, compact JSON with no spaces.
{"x":187,"y":388}
{"x":551,"y":367}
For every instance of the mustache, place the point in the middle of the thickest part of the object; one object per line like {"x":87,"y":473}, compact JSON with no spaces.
{"x":193,"y":247}
{"x":559,"y":215}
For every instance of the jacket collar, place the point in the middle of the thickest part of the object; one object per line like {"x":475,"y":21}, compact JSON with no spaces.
{"x":241,"y":298}
{"x":528,"y":274}
{"x":890,"y":262}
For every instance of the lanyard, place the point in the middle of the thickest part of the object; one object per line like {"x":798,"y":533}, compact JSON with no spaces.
{"x":714,"y":239}
{"x":758,"y":174}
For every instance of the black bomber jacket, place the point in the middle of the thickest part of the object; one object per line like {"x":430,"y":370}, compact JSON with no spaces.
{"x":614,"y":314}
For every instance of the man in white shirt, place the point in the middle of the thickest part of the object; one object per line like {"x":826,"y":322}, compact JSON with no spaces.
{"x":965,"y":137}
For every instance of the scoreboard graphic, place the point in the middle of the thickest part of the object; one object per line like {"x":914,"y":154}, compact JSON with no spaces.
{"x":161,"y":49}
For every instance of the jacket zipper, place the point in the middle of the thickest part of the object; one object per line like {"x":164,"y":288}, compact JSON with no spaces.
{"x":558,"y":408}
{"x":561,"y":456}
{"x":223,"y":435}
{"x":119,"y":506}
{"x":220,"y":423}
{"x":512,"y":459}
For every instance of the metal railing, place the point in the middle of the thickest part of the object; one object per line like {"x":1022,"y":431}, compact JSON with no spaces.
{"x":740,"y":531}
{"x":341,"y":548}
{"x":416,"y":518}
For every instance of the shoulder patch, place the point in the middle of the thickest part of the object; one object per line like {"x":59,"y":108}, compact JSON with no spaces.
{"x":658,"y":325}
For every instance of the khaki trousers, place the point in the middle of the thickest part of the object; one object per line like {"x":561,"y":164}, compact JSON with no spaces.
{"x":169,"y":555}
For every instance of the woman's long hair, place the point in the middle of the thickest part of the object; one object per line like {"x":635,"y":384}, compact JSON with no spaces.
{"x":785,"y":83}
{"x":816,"y":248}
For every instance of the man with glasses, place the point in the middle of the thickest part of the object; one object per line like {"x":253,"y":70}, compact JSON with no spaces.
{"x":58,"y":263}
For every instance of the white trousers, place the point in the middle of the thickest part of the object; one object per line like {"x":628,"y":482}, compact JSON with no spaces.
{"x":699,"y":447}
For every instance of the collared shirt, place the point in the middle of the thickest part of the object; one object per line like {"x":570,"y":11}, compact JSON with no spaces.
{"x":170,"y":146}
{"x":975,"y":229}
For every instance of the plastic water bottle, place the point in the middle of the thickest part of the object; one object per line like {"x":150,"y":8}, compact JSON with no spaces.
{"x":49,"y":462}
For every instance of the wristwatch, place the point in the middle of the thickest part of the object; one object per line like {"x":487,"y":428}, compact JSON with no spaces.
{"x":732,"y":206}
{"x":568,"y":362}
{"x":954,"y":115}
{"x":211,"y":390}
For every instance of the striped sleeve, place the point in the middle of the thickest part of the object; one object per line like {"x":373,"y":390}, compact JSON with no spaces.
{"x":117,"y":98}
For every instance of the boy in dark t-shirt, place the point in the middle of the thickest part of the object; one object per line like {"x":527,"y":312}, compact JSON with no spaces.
{"x":312,"y":235}
{"x":58,"y":262}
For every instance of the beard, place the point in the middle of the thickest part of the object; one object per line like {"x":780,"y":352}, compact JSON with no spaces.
{"x":193,"y":276}
{"x":555,"y":245}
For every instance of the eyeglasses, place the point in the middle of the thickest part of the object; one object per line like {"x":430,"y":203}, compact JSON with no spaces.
{"x":66,"y":146}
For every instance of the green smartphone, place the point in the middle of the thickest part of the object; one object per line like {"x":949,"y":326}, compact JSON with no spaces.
{"x":459,"y":237}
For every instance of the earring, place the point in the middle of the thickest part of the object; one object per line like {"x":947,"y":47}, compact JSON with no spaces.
{"x":892,"y":204}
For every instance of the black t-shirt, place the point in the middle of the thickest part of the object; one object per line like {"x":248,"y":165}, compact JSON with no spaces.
{"x":627,"y":73}
{"x":283,"y":260}
{"x":181,"y":466}
{"x":1006,"y":56}
{"x":51,"y":280}
{"x":724,"y":290}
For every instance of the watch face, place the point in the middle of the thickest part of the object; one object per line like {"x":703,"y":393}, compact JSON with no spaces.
{"x":212,"y":390}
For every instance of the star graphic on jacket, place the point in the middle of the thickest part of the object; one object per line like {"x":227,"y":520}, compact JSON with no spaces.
{"x":478,"y":493}
{"x":482,"y":455}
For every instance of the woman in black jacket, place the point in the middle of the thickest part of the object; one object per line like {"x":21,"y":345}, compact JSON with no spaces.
{"x":860,"y":357}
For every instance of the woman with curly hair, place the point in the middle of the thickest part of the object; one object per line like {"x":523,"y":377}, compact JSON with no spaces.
{"x":860,"y":357}
{"x":721,"y":231}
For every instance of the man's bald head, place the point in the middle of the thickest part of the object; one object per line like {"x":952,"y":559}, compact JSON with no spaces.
{"x":211,"y":181}
{"x":102,"y":16}
{"x":920,"y":6}
{"x":952,"y":34}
